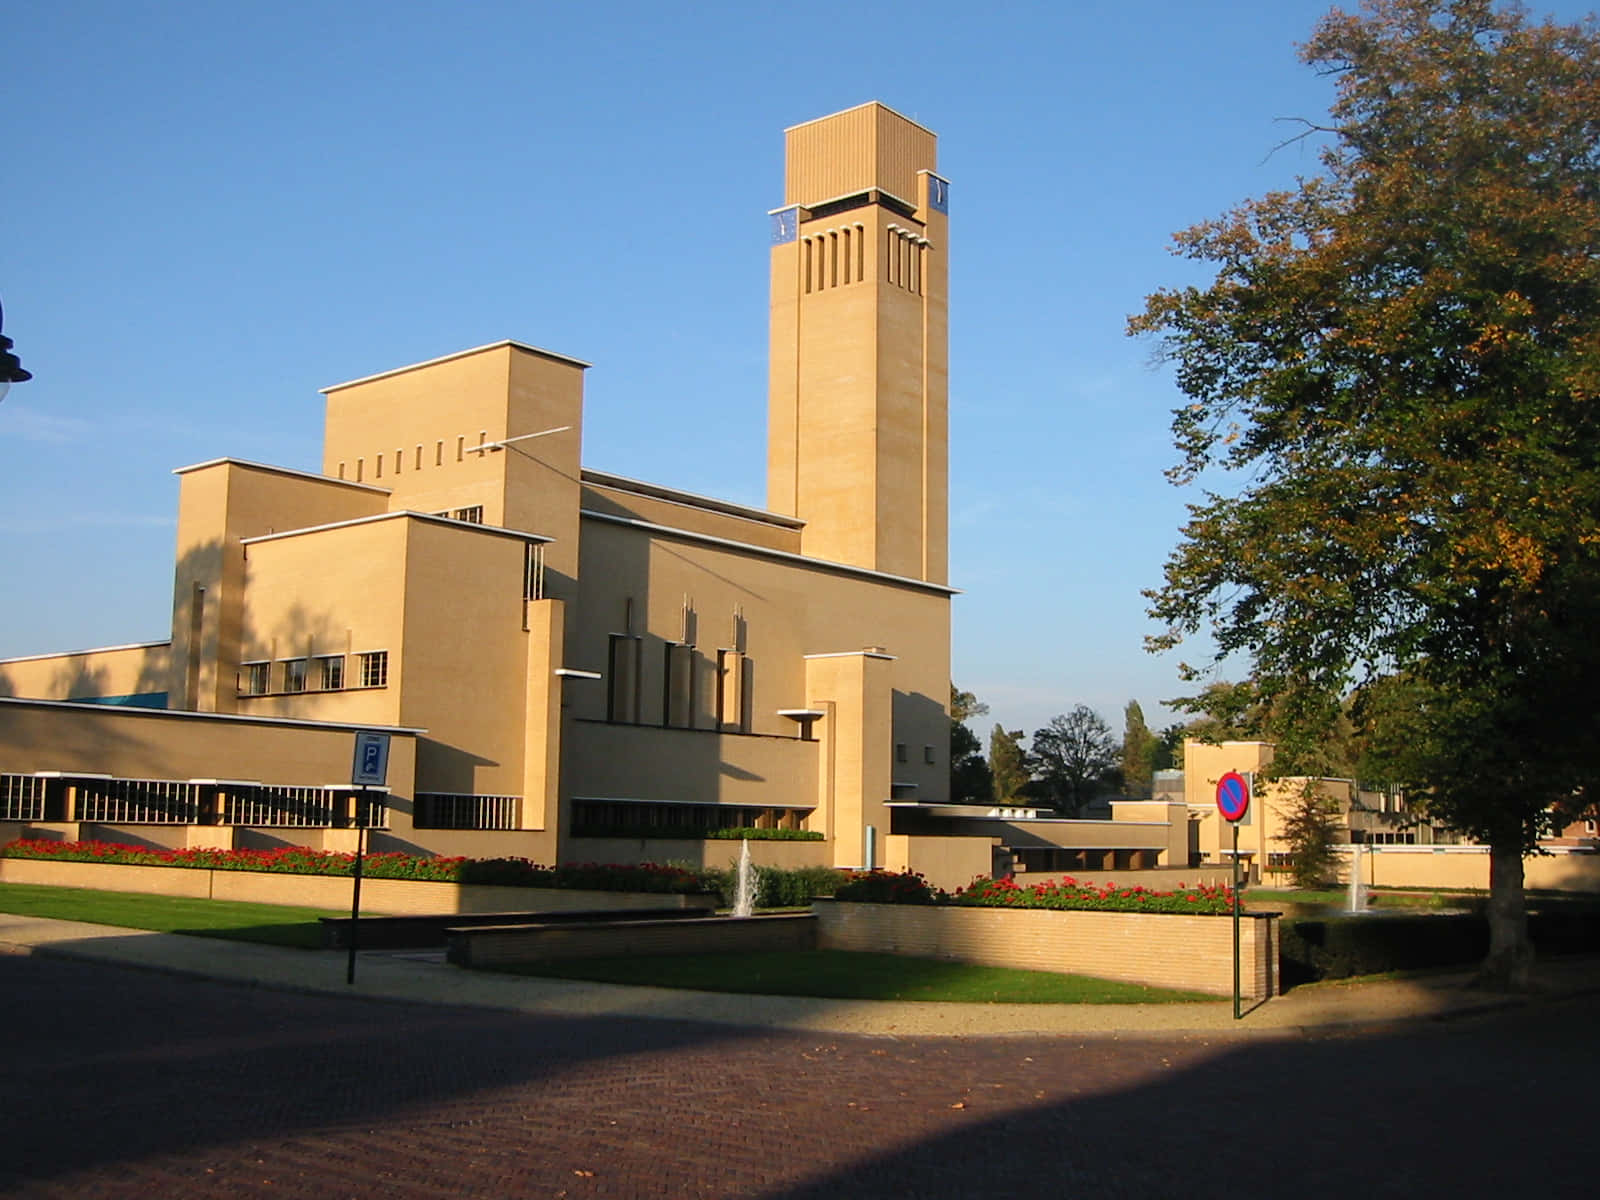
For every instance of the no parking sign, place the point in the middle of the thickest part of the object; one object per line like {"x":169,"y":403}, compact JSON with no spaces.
{"x":1233,"y":796}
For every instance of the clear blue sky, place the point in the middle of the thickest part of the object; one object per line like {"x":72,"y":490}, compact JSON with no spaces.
{"x":212,"y":210}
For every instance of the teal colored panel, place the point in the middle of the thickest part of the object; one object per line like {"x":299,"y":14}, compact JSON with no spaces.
{"x":137,"y":700}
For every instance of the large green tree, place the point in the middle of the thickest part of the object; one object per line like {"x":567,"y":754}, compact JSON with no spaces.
{"x":1074,"y":759}
{"x":1138,"y":751}
{"x":969,"y":770}
{"x":1400,"y":360}
{"x":1008,"y":763}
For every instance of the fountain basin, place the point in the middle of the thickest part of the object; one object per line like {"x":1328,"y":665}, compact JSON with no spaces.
{"x":505,"y":945}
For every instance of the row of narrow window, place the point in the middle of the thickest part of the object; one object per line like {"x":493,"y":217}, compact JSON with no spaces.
{"x":906,"y":266}
{"x":695,"y":693}
{"x":322,"y":673}
{"x":836,"y":257}
{"x":396,"y":463}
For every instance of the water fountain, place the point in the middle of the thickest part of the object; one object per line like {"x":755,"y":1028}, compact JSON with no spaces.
{"x":744,"y":891}
{"x":1357,"y":898}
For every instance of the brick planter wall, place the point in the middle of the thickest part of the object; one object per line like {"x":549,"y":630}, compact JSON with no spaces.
{"x":330,"y":891}
{"x":1155,"y":949}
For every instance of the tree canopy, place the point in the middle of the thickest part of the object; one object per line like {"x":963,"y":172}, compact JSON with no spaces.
{"x":1008,"y":763}
{"x":1074,"y":758}
{"x":1400,"y":359}
{"x":1138,"y":751}
{"x":969,"y":770}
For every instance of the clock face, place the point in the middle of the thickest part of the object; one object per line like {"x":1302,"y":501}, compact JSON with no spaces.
{"x":785,"y":226}
{"x":939,"y":194}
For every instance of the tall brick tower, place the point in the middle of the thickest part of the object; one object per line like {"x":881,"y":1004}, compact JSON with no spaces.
{"x":857,"y":441}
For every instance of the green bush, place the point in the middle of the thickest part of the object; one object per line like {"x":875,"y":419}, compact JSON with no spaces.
{"x":1339,"y":947}
{"x":776,"y":887}
{"x":655,"y":833}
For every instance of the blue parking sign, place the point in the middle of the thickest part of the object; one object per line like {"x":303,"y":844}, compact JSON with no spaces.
{"x":371,"y":766}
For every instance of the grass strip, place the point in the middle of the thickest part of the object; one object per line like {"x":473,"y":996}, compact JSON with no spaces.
{"x":271,"y":924}
{"x":851,"y":975}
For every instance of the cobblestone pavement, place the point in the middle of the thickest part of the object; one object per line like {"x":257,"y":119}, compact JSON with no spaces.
{"x":127,"y":1083}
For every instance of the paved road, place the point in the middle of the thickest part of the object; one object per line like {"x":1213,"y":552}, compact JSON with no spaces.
{"x":129,"y":1083}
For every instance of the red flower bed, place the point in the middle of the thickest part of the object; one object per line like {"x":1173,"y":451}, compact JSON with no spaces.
{"x":301,"y":860}
{"x":1068,"y":893}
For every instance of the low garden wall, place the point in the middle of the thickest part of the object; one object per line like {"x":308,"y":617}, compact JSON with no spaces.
{"x":1156,"y":949}
{"x":330,"y":891}
{"x":507,"y":945}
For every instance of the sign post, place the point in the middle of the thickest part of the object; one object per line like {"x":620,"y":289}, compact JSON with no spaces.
{"x":369,"y":769}
{"x":1233,"y":802}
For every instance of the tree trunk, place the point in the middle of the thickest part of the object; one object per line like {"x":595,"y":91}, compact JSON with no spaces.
{"x":1510,"y":952}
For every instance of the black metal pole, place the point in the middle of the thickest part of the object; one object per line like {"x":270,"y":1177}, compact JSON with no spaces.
{"x":355,"y":891}
{"x":1237,"y":1015}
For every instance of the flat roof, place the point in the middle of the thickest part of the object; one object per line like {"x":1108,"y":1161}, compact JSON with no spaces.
{"x":818,"y":564}
{"x":515,"y":345}
{"x":656,"y":491}
{"x":863,"y":104}
{"x":190,"y":715}
{"x":270,"y":469}
{"x":498,"y":530}
{"x":92,"y":650}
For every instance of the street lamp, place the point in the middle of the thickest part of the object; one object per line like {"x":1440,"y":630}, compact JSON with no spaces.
{"x":11,"y":369}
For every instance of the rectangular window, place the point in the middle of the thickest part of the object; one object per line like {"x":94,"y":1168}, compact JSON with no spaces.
{"x":294,"y":675}
{"x":927,"y":755}
{"x":331,"y":672}
{"x":474,"y":514}
{"x":900,"y":752}
{"x":255,"y":679}
{"x":375,"y":668}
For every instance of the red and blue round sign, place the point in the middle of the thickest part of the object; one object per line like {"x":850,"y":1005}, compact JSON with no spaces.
{"x":1233,"y":796}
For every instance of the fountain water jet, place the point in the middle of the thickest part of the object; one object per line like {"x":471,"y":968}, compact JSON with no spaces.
{"x":1357,"y":899}
{"x":744,"y":892}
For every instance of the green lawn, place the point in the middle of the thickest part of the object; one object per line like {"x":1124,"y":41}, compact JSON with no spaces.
{"x":844,"y":975}
{"x":274,"y":924}
{"x":833,"y":974}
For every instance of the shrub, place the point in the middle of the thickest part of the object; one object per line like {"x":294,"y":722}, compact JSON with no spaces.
{"x":1339,"y":947}
{"x":882,"y":887}
{"x":776,"y":887}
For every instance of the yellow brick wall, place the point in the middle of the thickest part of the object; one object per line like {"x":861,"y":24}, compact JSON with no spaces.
{"x":1158,"y":950}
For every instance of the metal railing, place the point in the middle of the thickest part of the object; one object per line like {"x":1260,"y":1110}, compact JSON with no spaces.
{"x":284,"y":807}
{"x":21,"y":798}
{"x":138,"y":802}
{"x":450,"y":810}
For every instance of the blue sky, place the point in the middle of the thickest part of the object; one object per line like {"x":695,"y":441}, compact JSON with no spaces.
{"x":213,"y":210}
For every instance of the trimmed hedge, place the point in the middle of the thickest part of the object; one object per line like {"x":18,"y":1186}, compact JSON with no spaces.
{"x":1340,"y":947}
{"x":655,"y":833}
{"x":777,"y":887}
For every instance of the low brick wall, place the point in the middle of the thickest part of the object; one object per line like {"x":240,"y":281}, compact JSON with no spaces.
{"x":507,"y":945}
{"x":400,"y":896}
{"x":1156,"y":949}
